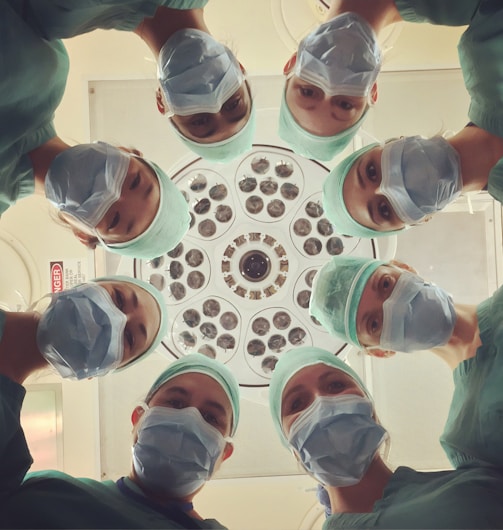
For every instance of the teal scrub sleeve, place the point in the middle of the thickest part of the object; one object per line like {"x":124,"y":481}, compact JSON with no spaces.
{"x":34,"y":74}
{"x":61,"y":19}
{"x":473,"y":433}
{"x":495,"y":182}
{"x":15,"y":458}
{"x":443,"y":12}
{"x":480,"y":52}
{"x":466,"y":498}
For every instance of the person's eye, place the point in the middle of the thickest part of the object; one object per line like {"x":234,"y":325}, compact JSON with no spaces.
{"x":115,"y":221}
{"x":384,"y":210}
{"x":210,"y":418}
{"x":119,"y":299}
{"x":306,"y":92}
{"x":175,"y":403}
{"x":374,"y":325}
{"x":335,"y":386}
{"x":232,"y":104}
{"x":297,"y":404}
{"x":200,"y":121}
{"x":371,"y":172}
{"x":129,"y":337}
{"x":136,"y":182}
{"x":346,"y":105}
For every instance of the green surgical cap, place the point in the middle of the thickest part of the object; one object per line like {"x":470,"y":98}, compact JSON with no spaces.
{"x":225,"y":150}
{"x":158,"y":297}
{"x":198,"y":363}
{"x":311,"y":145}
{"x":292,"y":362}
{"x":333,"y":200}
{"x":337,"y":290}
{"x":168,"y":227}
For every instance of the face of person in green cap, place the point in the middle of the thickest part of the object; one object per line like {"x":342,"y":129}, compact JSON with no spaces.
{"x":142,"y":313}
{"x":201,"y":392}
{"x":318,"y":112}
{"x":309,"y":383}
{"x":182,"y":437}
{"x":362,"y":195}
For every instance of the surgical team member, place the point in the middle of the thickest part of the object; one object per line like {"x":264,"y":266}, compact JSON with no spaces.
{"x":181,"y":435}
{"x":326,"y":416}
{"x":124,"y":202}
{"x":383,"y":189}
{"x":331,"y":79}
{"x":203,"y":88}
{"x":87,"y":331}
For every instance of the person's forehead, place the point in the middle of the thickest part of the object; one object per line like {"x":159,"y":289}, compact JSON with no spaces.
{"x":203,"y":385}
{"x":309,"y":374}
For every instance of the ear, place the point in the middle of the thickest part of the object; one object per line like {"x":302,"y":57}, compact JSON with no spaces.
{"x":159,"y":99}
{"x":382,"y":354}
{"x":137,"y":414}
{"x":402,"y":265}
{"x":373,"y":94}
{"x":228,"y":450}
{"x":290,"y":64}
{"x":86,"y":239}
{"x":425,"y":220}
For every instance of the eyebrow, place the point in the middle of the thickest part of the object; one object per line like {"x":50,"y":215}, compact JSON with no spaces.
{"x":134,"y":298}
{"x":359,"y":175}
{"x":143,"y":330}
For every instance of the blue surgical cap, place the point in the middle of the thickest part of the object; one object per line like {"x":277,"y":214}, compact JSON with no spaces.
{"x":311,"y":145}
{"x":337,"y":290}
{"x":225,"y":150}
{"x":333,"y":199}
{"x":198,"y":363}
{"x":290,"y":363}
{"x":168,"y":227}
{"x":163,"y":312}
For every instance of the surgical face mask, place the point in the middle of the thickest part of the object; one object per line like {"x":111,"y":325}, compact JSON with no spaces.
{"x":81,"y":333}
{"x":85,"y":180}
{"x":420,"y":176}
{"x":336,"y":438}
{"x":341,"y":57}
{"x":176,"y":450}
{"x":197,"y":73}
{"x":416,"y":316}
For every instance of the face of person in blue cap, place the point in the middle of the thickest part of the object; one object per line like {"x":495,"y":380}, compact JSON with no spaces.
{"x":320,"y":113}
{"x":211,"y":127}
{"x":130,"y":215}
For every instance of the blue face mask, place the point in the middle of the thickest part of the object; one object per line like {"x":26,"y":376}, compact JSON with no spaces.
{"x":176,"y":450}
{"x":420,"y":176}
{"x":341,"y":56}
{"x":85,"y":180}
{"x":336,"y":438}
{"x":416,"y":316}
{"x":81,"y":333}
{"x":197,"y":73}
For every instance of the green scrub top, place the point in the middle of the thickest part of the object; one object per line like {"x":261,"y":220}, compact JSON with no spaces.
{"x":479,"y":49}
{"x":469,"y":497}
{"x":59,"y":19}
{"x":473,"y":433}
{"x":50,"y":499}
{"x":34,"y":75}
